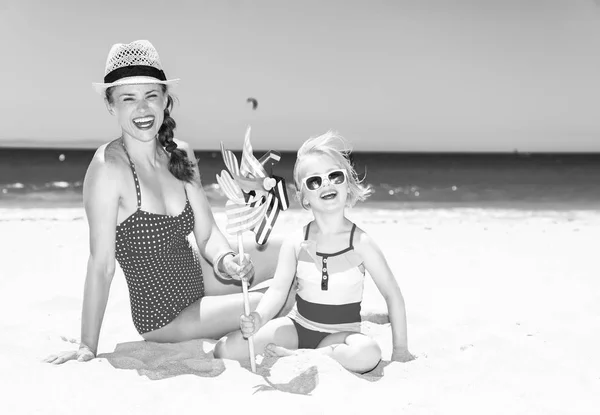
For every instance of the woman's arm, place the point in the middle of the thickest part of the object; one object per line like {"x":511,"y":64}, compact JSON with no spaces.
{"x":101,"y":202}
{"x":212,"y":244}
{"x":377,"y":266}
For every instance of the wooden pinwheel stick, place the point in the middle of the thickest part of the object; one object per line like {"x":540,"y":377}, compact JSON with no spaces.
{"x":246,"y":303}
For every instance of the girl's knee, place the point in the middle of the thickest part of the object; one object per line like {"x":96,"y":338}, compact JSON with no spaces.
{"x":371,"y":348}
{"x":367,"y":353}
{"x":374,"y":351}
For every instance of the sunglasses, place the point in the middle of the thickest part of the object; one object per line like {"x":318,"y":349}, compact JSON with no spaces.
{"x":316,"y":181}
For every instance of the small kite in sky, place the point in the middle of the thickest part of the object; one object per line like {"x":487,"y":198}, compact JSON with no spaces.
{"x":253,"y":101}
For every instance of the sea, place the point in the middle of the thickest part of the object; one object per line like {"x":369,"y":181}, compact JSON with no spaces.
{"x":46,"y":178}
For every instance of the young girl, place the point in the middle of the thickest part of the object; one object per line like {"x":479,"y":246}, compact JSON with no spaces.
{"x":328,"y":257}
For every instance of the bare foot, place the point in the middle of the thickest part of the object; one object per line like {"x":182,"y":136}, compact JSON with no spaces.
{"x":272,"y":350}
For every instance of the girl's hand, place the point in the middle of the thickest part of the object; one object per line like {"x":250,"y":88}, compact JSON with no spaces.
{"x":231,"y":267}
{"x":402,"y":355}
{"x":83,"y":354}
{"x":250,"y":324}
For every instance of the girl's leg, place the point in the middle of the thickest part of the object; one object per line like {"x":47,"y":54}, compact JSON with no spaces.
{"x":280,"y":331}
{"x":354,"y":351}
{"x":210,"y":317}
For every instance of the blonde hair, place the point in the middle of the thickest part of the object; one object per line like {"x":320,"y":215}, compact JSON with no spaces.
{"x":339,"y":149}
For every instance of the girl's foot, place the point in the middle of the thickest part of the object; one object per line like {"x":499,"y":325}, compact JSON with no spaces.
{"x":272,"y":350}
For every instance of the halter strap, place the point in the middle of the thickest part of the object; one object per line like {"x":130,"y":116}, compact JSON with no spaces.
{"x":351,"y":244}
{"x":307,"y":230}
{"x":135,"y":177}
{"x":352,"y":235}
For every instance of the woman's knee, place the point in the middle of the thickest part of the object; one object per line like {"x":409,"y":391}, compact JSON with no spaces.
{"x":229,"y":347}
{"x":254,"y":298}
{"x":220,"y":350}
{"x":224,"y":345}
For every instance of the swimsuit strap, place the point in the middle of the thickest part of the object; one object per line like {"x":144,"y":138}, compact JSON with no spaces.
{"x":135,"y":177}
{"x":307,"y":230}
{"x":352,"y":235}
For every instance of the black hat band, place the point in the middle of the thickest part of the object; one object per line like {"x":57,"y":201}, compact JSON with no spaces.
{"x":134,"y":70}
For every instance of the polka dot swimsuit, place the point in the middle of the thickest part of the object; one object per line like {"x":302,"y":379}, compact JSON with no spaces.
{"x":162,"y":271}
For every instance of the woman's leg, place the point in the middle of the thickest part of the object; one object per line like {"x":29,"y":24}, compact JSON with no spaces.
{"x":210,"y":317}
{"x":280,"y":331}
{"x":354,"y":351}
{"x":219,"y":311}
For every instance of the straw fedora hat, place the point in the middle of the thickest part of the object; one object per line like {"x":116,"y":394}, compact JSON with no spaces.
{"x":133,"y":63}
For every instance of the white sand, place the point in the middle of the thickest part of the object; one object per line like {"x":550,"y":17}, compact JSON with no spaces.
{"x":503,"y":314}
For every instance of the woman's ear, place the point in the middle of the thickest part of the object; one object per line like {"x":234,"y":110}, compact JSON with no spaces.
{"x":109,"y":107}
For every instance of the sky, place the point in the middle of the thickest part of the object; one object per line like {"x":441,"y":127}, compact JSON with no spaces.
{"x":389,"y":75}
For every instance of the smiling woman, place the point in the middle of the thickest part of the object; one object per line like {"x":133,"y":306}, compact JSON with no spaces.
{"x":143,"y":199}
{"x":155,"y":110}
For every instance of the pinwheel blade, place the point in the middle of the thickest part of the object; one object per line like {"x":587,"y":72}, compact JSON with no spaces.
{"x":250,"y":165}
{"x":241,"y":218}
{"x":230,"y":160}
{"x":230,"y":188}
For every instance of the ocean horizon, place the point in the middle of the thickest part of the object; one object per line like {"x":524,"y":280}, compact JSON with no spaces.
{"x":48,"y":177}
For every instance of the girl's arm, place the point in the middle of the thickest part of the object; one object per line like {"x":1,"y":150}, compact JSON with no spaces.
{"x":377,"y":266}
{"x":212,"y":244}
{"x":275,"y":297}
{"x":101,"y":202}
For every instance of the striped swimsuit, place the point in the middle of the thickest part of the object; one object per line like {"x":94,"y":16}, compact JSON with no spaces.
{"x":163,"y":273}
{"x":329,"y":292}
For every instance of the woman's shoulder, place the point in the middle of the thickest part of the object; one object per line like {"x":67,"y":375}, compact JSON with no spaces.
{"x":185,"y":146}
{"x":193,"y":162}
{"x":188,"y":149}
{"x":109,"y":153}
{"x":108,"y":160}
{"x":182,"y":144}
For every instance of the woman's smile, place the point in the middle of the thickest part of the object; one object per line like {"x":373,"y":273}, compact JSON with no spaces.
{"x":144,"y":123}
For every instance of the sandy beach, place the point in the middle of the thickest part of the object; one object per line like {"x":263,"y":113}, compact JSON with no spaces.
{"x":503,"y":313}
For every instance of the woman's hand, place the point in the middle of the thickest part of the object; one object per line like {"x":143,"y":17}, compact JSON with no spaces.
{"x":83,"y":354}
{"x":402,"y":355}
{"x":250,"y":324}
{"x":231,"y":267}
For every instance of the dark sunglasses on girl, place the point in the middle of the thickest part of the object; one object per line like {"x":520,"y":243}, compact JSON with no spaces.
{"x":315,"y":181}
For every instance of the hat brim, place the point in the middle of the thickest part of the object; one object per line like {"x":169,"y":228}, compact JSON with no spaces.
{"x":133,"y":80}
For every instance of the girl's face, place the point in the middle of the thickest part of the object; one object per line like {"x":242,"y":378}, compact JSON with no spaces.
{"x":139,"y":109}
{"x":324,"y":183}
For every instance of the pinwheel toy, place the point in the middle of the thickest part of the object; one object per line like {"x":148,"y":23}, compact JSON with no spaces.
{"x":254,"y":199}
